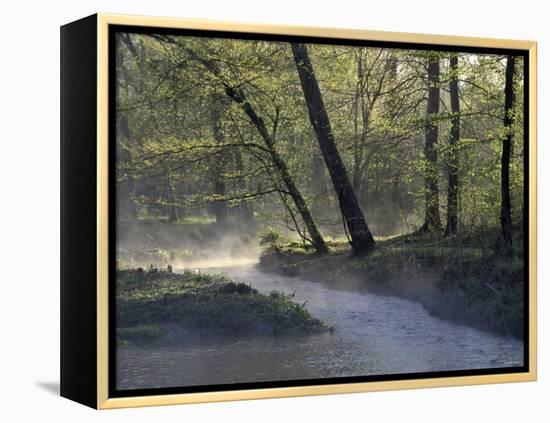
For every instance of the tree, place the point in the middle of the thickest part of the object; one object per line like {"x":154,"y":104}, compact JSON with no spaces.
{"x":225,"y":129}
{"x":374,"y":66}
{"x":238,"y":96}
{"x":362,"y":240}
{"x":432,"y":219}
{"x":220,"y":207}
{"x":452,"y":189}
{"x":316,"y":238}
{"x":505,"y":205}
{"x":127,"y":189}
{"x":170,"y":196}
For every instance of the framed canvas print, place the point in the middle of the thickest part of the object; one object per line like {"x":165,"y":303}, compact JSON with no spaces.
{"x":254,"y":211}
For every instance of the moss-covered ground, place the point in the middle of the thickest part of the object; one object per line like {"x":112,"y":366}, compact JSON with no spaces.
{"x":147,"y":301}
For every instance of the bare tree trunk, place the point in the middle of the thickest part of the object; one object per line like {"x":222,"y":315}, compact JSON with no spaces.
{"x":171,"y":197}
{"x":361,"y":237}
{"x":432,"y":219}
{"x":318,"y":174}
{"x":220,"y":207}
{"x":505,"y":206}
{"x":359,"y":152}
{"x":361,"y":113}
{"x":127,"y":189}
{"x":319,"y":184}
{"x":358,"y":139}
{"x":245,"y":210}
{"x":452,"y":190}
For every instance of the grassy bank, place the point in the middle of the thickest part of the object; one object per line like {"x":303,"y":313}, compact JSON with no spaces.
{"x":149,"y":302}
{"x":462,"y":280}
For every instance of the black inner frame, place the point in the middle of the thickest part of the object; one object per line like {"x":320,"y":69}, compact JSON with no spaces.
{"x":117,"y":393}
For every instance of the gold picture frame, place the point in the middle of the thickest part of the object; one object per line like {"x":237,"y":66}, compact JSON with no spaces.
{"x":101,"y":301}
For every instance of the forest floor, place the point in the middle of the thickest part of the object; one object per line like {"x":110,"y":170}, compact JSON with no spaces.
{"x":452,"y":278}
{"x":148,"y":301}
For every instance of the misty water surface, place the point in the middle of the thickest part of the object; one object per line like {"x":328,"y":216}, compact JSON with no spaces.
{"x":373,"y":335}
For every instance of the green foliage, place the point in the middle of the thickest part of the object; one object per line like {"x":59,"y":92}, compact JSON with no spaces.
{"x":210,"y":302}
{"x":271,"y":240}
{"x":459,"y":278}
{"x":179,"y":135}
{"x":185,"y":151}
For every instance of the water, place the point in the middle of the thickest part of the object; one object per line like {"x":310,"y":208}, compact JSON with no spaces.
{"x":373,"y":335}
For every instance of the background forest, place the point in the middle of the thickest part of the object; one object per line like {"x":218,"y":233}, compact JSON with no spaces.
{"x":218,"y":131}
{"x":242,"y":164}
{"x":399,"y":171}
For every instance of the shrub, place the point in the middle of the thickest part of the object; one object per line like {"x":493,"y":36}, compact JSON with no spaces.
{"x":271,"y":240}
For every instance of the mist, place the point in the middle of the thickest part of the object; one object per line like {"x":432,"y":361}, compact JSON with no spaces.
{"x":309,"y":211}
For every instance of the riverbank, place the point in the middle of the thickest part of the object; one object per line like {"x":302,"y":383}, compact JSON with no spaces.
{"x":451,"y":278}
{"x":149,"y":302}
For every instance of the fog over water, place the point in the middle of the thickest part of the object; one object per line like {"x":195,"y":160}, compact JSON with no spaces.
{"x":355,"y":166}
{"x":373,"y":335}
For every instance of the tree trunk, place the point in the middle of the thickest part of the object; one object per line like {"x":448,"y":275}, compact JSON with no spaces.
{"x":238,"y":96}
{"x":361,"y":237}
{"x":245,"y":210}
{"x":171,"y":198}
{"x":432,"y":219}
{"x":505,"y":206}
{"x":452,"y":190}
{"x":319,"y":185}
{"x":316,"y":238}
{"x":360,"y":113}
{"x":127,"y":189}
{"x":220,"y":207}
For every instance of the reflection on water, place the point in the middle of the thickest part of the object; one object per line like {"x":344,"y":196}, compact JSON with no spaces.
{"x":373,"y":335}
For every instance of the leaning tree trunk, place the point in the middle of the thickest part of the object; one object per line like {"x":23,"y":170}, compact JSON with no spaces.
{"x":505,"y":205}
{"x":452,"y":189}
{"x":432,"y":219}
{"x":361,"y":237}
{"x":316,"y":238}
{"x":238,"y":96}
